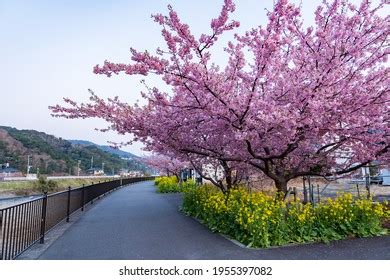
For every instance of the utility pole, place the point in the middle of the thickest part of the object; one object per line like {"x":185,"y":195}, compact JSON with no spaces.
{"x":103,"y":167}
{"x":91,"y":162}
{"x":78,"y":167}
{"x":28,"y":164}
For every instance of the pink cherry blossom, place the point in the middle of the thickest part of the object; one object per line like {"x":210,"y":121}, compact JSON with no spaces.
{"x":291,"y":101}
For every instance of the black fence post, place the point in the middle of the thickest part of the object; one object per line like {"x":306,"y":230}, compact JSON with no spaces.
{"x":310,"y":189}
{"x":68,"y":206}
{"x":93,"y":192}
{"x":368,"y":186}
{"x":43,"y":218}
{"x":287,"y":194}
{"x":82,"y":197}
{"x":312,"y":194}
{"x":358,"y":191}
{"x":2,"y":232}
{"x":304,"y":190}
{"x":318,"y":193}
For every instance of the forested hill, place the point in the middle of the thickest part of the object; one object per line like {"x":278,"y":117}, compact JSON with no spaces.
{"x":106,"y":148}
{"x":54,"y":155}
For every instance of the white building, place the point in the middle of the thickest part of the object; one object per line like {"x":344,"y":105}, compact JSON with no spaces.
{"x":385,"y":173}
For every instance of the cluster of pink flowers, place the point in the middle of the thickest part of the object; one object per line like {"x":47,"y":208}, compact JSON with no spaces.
{"x":291,"y":101}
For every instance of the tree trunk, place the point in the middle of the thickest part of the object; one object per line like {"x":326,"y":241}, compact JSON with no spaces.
{"x":281,"y":185}
{"x":229,"y":180}
{"x":221,"y":186}
{"x":228,"y":174}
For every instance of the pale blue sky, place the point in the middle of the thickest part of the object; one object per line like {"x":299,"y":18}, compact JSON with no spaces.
{"x":48,"y":49}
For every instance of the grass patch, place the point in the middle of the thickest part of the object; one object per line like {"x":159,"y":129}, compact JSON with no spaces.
{"x":259,"y":220}
{"x":20,"y":188}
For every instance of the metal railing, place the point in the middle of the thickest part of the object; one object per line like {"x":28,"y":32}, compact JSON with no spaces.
{"x":24,"y":224}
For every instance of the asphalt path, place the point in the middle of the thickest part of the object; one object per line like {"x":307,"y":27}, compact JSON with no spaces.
{"x":135,"y":222}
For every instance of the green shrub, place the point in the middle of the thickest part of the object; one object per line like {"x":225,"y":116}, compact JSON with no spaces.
{"x":45,"y":186}
{"x":260,"y":220}
{"x":171,"y":185}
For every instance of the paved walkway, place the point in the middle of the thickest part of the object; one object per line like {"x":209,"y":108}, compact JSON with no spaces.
{"x":137,"y":223}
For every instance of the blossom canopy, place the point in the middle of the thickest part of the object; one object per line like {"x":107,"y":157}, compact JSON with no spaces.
{"x":291,"y":101}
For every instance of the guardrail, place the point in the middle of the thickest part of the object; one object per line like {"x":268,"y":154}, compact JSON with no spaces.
{"x":24,"y":224}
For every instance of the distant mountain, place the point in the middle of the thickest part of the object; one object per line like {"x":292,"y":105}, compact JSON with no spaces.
{"x":122,"y":154}
{"x":106,"y":148}
{"x":82,"y":142}
{"x":52,"y":155}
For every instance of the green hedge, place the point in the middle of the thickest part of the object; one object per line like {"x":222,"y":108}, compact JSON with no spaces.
{"x":259,"y":220}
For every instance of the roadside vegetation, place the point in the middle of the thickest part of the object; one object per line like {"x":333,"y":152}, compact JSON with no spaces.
{"x":22,"y":188}
{"x":171,"y":184}
{"x":260,"y":220}
{"x":43,"y":185}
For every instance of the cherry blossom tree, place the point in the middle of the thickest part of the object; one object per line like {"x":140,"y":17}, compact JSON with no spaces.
{"x":164,"y":164}
{"x":291,"y":101}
